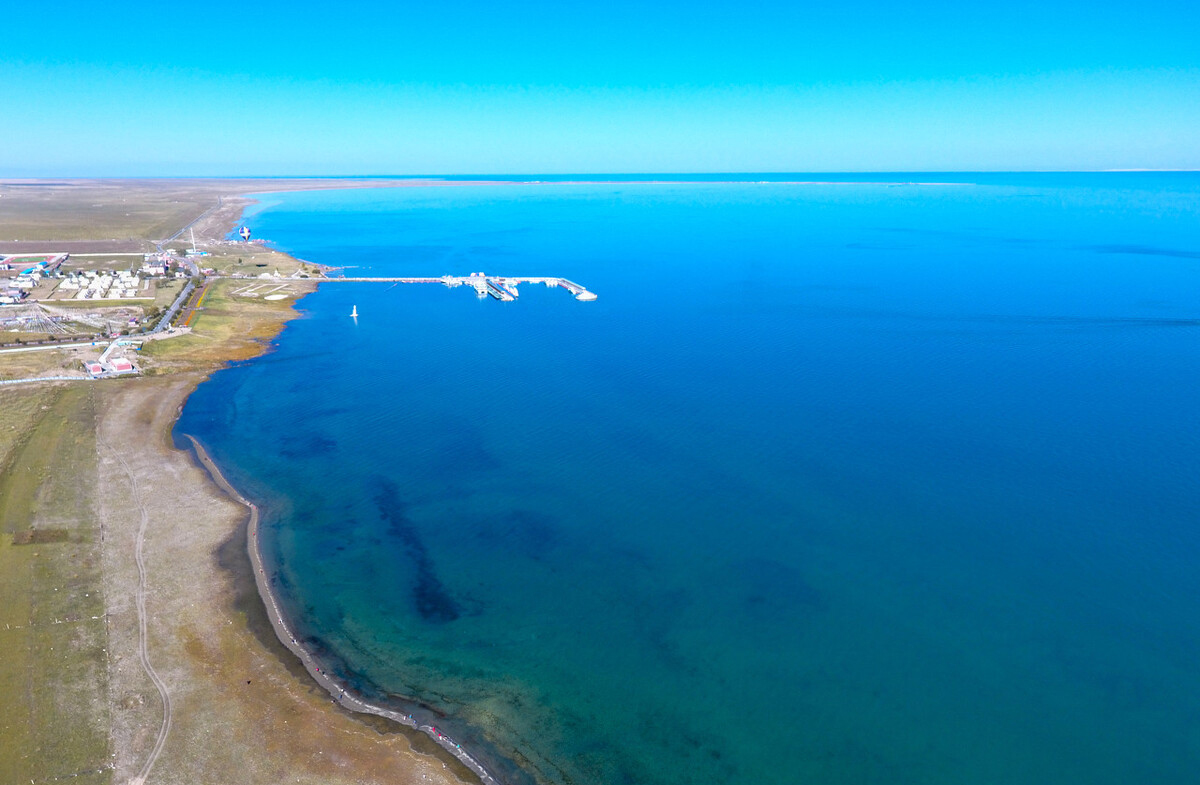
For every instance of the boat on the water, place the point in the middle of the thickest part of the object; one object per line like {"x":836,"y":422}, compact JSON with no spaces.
{"x":505,"y":292}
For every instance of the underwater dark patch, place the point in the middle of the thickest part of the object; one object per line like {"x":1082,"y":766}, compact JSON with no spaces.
{"x":430,"y":597}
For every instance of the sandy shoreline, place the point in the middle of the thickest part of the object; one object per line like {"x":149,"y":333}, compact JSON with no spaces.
{"x":241,"y":707}
{"x":338,"y":690}
{"x":373,"y":741}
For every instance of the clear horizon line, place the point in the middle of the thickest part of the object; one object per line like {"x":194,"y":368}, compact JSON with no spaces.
{"x":426,"y":175}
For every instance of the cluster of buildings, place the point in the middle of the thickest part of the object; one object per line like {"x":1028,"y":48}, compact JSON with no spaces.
{"x":21,"y":274}
{"x":109,"y":365}
{"x":156,"y":268}
{"x":33,"y":263}
{"x":157,"y":264}
{"x":78,"y":284}
{"x":31,"y":269}
{"x":114,"y":367}
{"x":98,"y":285}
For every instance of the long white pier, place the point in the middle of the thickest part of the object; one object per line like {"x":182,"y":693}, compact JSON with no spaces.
{"x":501,"y":287}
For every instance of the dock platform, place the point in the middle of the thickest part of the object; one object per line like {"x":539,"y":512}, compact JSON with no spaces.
{"x":499,"y":287}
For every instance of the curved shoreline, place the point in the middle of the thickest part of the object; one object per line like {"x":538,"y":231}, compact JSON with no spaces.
{"x":343,"y":695}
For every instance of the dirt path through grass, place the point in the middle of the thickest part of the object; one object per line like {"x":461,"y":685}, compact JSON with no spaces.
{"x":140,"y":601}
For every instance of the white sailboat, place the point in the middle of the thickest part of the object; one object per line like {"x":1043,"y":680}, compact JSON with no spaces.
{"x":354,"y":312}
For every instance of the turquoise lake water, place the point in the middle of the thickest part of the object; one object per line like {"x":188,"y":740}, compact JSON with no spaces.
{"x":835,"y":484}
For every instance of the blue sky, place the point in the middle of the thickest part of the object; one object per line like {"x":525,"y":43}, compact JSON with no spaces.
{"x":468,"y":87}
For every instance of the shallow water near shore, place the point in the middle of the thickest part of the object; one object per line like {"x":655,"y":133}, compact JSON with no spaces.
{"x":834,"y":483}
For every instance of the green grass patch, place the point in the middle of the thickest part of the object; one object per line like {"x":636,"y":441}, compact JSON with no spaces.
{"x":53,"y":675}
{"x":224,"y":328}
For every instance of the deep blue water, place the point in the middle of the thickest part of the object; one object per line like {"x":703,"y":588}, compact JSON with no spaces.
{"x":833,"y":484}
